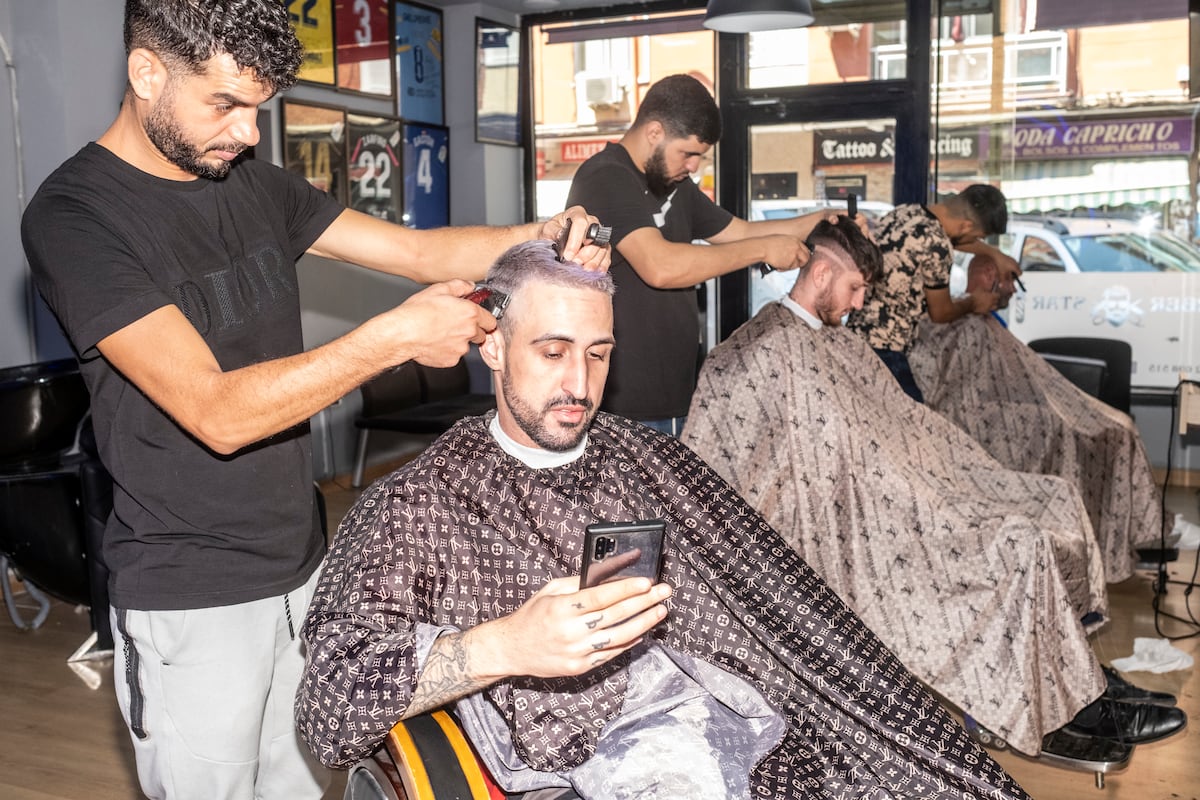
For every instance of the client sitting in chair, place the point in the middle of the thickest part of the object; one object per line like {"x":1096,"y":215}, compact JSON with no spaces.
{"x":1032,"y":419}
{"x":976,"y":576}
{"x":740,"y":674}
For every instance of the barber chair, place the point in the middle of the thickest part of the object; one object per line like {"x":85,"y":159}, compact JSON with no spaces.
{"x":1101,"y":367}
{"x":55,"y":497}
{"x":423,"y":758}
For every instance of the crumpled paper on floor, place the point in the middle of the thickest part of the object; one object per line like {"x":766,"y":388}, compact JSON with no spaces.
{"x":1153,"y":655}
{"x":1189,"y":533}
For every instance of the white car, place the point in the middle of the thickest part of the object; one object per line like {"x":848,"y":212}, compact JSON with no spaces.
{"x":1071,"y":244}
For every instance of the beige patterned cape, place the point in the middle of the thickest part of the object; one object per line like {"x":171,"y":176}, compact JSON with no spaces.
{"x":1031,"y":418}
{"x":976,"y":576}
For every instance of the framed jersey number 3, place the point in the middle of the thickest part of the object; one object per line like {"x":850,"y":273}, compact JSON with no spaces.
{"x":426,"y":176}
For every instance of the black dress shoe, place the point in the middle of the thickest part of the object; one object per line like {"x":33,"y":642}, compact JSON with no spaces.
{"x":1124,"y":691}
{"x":1131,"y":723}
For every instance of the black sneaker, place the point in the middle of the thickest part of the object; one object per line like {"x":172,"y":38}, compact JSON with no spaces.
{"x":1122,"y":690}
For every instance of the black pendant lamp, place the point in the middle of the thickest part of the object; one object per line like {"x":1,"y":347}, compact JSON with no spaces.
{"x":744,"y":16}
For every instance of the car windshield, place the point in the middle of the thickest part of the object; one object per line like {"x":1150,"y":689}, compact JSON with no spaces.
{"x":1129,"y":251}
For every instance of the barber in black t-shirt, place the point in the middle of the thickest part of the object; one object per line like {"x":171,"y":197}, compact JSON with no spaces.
{"x":171,"y":263}
{"x":642,"y":188}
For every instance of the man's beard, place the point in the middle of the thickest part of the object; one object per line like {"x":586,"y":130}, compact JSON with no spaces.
{"x":657,"y":180}
{"x":826,"y":310}
{"x":531,"y":422}
{"x":165,"y":134}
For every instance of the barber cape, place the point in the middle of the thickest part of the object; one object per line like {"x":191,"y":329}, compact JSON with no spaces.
{"x":974,"y":575}
{"x":1031,"y":418}
{"x":466,"y":533}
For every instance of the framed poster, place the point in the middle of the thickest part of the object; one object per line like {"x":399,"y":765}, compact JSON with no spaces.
{"x":426,"y":176}
{"x":497,"y":83}
{"x":419,"y":63}
{"x":314,"y":145}
{"x":313,"y":22}
{"x":375,"y":169}
{"x":363,"y":31}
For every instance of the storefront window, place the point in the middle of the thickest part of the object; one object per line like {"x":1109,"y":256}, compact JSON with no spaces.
{"x":589,"y":78}
{"x":1083,"y":119}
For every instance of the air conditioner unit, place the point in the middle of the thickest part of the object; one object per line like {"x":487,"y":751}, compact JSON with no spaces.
{"x":599,"y":90}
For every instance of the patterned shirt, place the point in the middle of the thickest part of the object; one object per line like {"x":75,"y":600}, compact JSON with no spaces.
{"x":917,"y":255}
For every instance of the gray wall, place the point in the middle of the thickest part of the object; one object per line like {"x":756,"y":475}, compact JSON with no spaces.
{"x":70,"y":65}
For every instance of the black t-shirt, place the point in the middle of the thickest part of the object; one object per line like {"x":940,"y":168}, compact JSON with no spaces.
{"x":653,"y":372}
{"x":109,"y":244}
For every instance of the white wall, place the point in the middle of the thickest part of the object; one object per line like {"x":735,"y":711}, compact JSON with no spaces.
{"x":69,"y":66}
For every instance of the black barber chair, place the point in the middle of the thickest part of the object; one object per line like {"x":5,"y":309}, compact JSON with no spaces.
{"x":55,"y":497}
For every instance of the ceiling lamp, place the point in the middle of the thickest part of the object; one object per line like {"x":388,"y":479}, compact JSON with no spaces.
{"x":744,"y":16}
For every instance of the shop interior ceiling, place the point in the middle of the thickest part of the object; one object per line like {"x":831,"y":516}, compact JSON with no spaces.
{"x":828,"y":12}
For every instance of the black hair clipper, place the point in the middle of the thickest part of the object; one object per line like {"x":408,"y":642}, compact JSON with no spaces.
{"x":596,"y":234}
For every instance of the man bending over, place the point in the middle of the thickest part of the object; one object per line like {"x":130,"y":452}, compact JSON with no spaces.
{"x":974,"y":575}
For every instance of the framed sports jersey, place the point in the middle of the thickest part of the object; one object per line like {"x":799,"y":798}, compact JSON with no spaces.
{"x":426,"y":176}
{"x":363,"y":30}
{"x":313,"y":22}
{"x":314,"y":145}
{"x":419,"y":63}
{"x":375,"y":168}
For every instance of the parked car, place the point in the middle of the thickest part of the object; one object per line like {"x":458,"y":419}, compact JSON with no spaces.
{"x":1069,"y":244}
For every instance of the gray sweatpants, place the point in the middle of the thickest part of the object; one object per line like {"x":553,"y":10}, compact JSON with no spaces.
{"x":208,"y":696}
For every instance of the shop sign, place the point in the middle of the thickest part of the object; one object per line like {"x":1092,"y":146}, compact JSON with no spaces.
{"x":1103,"y":138}
{"x":1158,"y":314}
{"x":879,"y":147}
{"x":578,"y":151}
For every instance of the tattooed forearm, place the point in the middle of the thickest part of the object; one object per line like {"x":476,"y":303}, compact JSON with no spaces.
{"x":446,"y":676}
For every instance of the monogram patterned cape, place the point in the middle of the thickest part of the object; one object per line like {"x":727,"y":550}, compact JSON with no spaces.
{"x":974,"y":575}
{"x":1031,"y":418}
{"x":466,"y":533}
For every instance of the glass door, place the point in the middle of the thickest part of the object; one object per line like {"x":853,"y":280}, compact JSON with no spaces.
{"x":797,"y":168}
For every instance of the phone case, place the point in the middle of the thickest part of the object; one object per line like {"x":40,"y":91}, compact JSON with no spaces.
{"x":614,"y":550}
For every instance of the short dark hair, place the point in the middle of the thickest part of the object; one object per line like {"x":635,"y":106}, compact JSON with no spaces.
{"x":684,"y":107}
{"x":187,"y":33}
{"x":986,"y":206}
{"x":846,"y":237}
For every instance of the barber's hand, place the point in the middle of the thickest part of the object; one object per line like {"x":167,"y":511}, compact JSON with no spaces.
{"x":591,"y":256}
{"x":984,"y":301}
{"x":786,"y":252}
{"x":563,"y":630}
{"x":1009,"y":269}
{"x":434,"y":327}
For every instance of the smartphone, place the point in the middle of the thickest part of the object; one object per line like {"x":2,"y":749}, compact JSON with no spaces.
{"x":852,"y":205}
{"x":615,"y":550}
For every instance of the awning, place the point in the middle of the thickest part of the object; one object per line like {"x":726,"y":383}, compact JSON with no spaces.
{"x":1064,"y":185}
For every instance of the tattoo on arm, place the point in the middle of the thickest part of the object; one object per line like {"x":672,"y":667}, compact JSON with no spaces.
{"x":446,"y":676}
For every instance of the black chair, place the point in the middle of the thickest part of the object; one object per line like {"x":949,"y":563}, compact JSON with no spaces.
{"x":55,"y":497}
{"x":416,"y":400}
{"x":1071,"y":356}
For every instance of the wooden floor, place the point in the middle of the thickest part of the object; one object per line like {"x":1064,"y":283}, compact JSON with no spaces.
{"x":61,"y":738}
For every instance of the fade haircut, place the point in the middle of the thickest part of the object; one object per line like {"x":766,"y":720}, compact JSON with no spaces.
{"x":684,"y":108}
{"x":537,"y":262}
{"x":185,"y":34}
{"x":984,"y":205}
{"x":845,"y":238}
